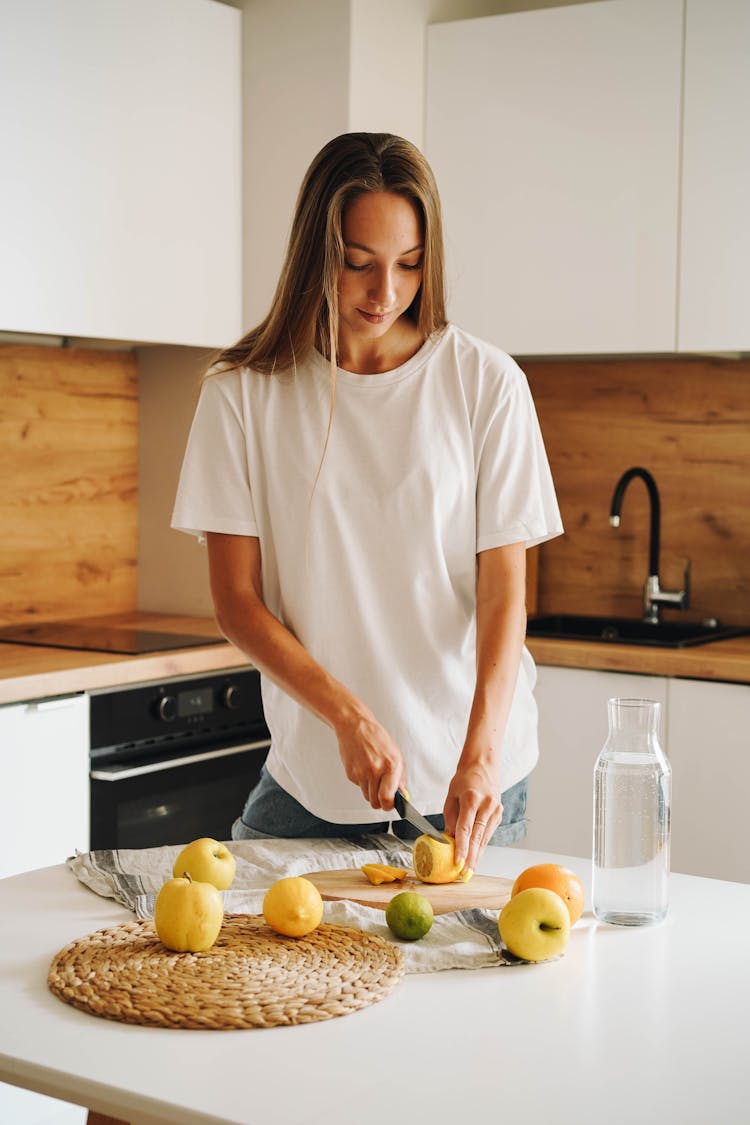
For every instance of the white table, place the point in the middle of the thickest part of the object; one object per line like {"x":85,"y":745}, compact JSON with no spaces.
{"x":631,"y":1025}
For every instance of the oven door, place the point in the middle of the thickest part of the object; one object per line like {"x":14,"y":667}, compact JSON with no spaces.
{"x":173,"y":799}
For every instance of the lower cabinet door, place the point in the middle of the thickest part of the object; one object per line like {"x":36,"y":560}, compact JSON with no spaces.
{"x":44,"y":797}
{"x":44,"y":812}
{"x":573,"y":727}
{"x":709,"y":747}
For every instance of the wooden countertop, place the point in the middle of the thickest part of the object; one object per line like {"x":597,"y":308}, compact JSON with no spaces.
{"x":35,"y":672}
{"x":718,"y":660}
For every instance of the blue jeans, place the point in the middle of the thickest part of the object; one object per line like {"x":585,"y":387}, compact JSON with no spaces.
{"x":271,"y":813}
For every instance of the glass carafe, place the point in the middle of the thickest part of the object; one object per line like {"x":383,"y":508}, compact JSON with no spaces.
{"x":632,"y":802}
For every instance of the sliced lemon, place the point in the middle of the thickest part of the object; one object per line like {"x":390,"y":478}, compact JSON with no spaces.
{"x":434,"y":861}
{"x":379,"y":873}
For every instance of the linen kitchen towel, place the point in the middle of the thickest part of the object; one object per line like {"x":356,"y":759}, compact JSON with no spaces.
{"x":466,"y":939}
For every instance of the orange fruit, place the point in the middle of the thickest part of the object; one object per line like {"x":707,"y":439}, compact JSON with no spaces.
{"x":554,"y":877}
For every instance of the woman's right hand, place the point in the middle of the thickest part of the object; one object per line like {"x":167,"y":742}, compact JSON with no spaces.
{"x":372,"y":760}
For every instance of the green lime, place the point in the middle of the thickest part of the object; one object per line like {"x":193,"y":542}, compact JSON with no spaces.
{"x":409,"y":915}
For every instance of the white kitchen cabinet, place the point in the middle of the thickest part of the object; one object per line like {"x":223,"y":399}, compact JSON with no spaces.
{"x":573,"y":725}
{"x":44,"y":794}
{"x":714,"y":311}
{"x":709,"y":747}
{"x":44,"y":814}
{"x":594,"y":162}
{"x":120,"y":198}
{"x":555,"y":138}
{"x":705,"y":731}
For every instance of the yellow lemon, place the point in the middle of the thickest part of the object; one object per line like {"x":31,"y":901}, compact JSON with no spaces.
{"x":293,"y":906}
{"x":409,"y":915}
{"x":434,"y":861}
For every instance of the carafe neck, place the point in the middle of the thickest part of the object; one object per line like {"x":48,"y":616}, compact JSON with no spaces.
{"x":633,"y":722}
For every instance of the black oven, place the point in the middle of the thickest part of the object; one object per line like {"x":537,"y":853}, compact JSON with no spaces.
{"x":174,"y":760}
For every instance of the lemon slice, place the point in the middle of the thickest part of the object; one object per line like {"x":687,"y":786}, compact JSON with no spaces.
{"x":379,"y":873}
{"x":434,"y":861}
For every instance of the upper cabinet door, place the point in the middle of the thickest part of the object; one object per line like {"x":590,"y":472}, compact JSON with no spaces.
{"x":714,"y":310}
{"x":120,"y":197}
{"x":554,"y":137}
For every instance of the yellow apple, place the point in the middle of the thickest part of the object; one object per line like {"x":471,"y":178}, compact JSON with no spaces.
{"x":208,"y":861}
{"x":188,"y":915}
{"x":535,"y":924}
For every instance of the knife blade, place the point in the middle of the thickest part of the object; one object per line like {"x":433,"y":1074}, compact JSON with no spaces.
{"x":406,"y":809}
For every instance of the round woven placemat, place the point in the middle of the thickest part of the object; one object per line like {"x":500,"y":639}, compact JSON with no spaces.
{"x":251,"y":977}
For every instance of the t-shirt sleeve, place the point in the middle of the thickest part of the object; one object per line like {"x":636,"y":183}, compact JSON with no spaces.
{"x":516,"y":499}
{"x":214,"y":491}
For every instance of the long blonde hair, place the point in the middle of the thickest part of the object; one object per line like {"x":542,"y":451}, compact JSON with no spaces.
{"x":304,"y":309}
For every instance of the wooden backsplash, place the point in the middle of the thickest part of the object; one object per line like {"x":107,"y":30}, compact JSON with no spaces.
{"x":68,"y":483}
{"x":688,"y":422}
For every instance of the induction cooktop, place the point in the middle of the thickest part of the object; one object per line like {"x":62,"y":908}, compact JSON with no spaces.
{"x":94,"y":635}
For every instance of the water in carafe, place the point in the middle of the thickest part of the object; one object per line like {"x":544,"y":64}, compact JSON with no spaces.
{"x":632,"y":801}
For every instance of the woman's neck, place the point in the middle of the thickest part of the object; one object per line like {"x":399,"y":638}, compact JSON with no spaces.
{"x":374,"y":357}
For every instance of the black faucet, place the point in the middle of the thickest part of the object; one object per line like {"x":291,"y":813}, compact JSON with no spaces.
{"x":653,"y":595}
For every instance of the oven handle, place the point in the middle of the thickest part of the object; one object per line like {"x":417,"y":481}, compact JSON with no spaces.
{"x":117,"y":773}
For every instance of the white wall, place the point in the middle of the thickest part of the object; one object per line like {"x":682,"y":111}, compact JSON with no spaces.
{"x":295,"y":98}
{"x":386,"y":79}
{"x":172,"y":567}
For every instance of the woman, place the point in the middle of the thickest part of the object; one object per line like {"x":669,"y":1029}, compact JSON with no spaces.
{"x":368,"y":478}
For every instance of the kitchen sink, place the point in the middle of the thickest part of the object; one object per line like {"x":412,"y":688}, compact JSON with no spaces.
{"x":630,"y":630}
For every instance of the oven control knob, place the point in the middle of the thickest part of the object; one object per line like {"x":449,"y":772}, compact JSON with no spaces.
{"x":166,"y":708}
{"x":231,"y":697}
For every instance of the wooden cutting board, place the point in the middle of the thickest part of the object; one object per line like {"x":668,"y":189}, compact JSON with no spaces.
{"x":486,"y":892}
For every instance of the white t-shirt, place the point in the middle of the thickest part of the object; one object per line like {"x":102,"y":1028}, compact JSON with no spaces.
{"x":426,"y":466}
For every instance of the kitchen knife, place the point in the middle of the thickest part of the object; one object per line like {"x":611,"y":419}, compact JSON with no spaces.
{"x":406,"y":809}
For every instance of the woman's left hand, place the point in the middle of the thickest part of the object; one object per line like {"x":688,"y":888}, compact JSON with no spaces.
{"x":472,"y":811}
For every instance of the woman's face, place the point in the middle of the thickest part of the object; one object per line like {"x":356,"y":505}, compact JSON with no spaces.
{"x":383,"y":252}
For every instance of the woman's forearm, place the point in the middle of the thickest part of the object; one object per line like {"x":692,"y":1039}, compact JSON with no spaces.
{"x":501,"y":630}
{"x":246,"y":621}
{"x":371,"y":759}
{"x":275,"y":651}
{"x":473,"y":807}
